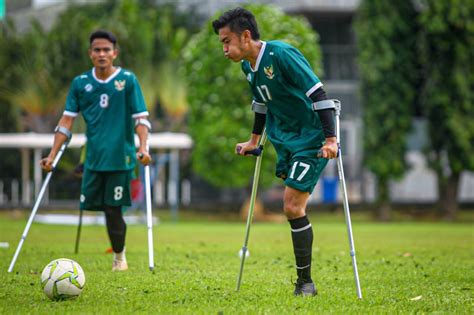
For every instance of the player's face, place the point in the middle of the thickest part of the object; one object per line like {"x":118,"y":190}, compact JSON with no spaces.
{"x":102,"y":53}
{"x":235,"y":46}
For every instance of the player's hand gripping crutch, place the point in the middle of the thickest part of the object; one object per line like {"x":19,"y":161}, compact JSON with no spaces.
{"x":257,"y":152}
{"x":37,"y":203}
{"x":149,"y":217}
{"x":336,"y":104}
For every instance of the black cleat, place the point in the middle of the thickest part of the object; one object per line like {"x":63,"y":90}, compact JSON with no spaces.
{"x":305,"y":289}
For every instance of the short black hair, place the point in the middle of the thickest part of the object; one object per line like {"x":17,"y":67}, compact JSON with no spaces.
{"x":103,"y":34}
{"x":238,"y":20}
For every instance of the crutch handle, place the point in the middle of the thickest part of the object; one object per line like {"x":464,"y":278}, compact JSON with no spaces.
{"x":320,"y":152}
{"x":255,"y":152}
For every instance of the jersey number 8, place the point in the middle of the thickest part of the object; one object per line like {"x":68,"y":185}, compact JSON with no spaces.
{"x":104,"y":100}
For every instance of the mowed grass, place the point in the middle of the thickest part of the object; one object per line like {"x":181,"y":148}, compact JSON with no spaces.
{"x":416,"y":267}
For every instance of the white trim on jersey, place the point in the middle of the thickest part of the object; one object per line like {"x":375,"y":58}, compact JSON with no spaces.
{"x":113,"y":75}
{"x":140,"y":114}
{"x":70,"y":114}
{"x":260,"y":55}
{"x":314,"y":88}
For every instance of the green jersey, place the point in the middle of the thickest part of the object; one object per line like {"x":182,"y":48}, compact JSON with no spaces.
{"x":283,"y":80}
{"x":109,"y":108}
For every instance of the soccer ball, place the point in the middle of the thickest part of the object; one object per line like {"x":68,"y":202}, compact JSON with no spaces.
{"x":62,"y":279}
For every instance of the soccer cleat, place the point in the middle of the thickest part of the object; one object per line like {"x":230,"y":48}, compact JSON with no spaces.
{"x":119,"y":265}
{"x":305,"y":289}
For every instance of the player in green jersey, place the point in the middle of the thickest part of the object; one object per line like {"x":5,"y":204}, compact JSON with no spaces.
{"x":285,"y":91}
{"x":112,"y":105}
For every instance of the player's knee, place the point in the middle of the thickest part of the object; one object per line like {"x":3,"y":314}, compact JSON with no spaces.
{"x":293,"y":209}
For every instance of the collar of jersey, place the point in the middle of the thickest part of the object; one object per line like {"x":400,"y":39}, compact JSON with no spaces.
{"x":260,"y":55}
{"x":109,"y":78}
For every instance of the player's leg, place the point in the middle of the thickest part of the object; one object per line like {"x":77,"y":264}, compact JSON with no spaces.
{"x":302,"y":236}
{"x":301,"y":179}
{"x":116,"y":229}
{"x":116,"y":195}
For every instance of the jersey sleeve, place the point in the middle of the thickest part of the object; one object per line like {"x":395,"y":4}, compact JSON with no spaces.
{"x":135,"y":99}
{"x":72,"y":101}
{"x":297,"y":70}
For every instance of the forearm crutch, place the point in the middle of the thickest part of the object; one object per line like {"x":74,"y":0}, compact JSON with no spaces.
{"x":78,"y":235}
{"x":345,"y":200}
{"x":336,"y":104}
{"x":149,"y":217}
{"x":257,"y":152}
{"x":37,"y":203}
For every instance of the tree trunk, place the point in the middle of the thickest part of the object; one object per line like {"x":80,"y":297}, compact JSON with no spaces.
{"x":383,"y":201}
{"x":448,"y":193}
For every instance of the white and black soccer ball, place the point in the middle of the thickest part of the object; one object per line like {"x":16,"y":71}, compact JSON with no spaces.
{"x":62,"y":279}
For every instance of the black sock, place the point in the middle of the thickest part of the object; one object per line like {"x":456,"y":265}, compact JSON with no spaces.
{"x":116,"y":228}
{"x":302,"y":236}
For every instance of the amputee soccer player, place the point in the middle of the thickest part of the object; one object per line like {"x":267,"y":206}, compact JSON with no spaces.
{"x":112,"y":105}
{"x":284,"y":90}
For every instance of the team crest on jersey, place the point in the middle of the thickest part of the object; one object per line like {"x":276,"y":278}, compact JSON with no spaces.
{"x":269,"y":71}
{"x":249,"y":77}
{"x":88,"y":87}
{"x":119,"y":84}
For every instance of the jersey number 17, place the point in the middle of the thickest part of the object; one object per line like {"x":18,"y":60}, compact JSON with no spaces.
{"x":264,"y":91}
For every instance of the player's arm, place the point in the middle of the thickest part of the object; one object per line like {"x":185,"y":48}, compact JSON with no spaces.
{"x":62,"y":133}
{"x":142,"y":129}
{"x":140,"y":115}
{"x":260,"y":111}
{"x":326,"y":116}
{"x":298,"y":71}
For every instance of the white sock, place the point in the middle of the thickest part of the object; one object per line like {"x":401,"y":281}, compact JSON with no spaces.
{"x":120,"y":256}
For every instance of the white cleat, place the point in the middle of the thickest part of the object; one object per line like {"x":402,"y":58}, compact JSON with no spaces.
{"x":119,"y":265}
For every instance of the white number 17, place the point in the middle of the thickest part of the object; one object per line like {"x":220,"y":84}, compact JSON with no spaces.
{"x":303,"y":173}
{"x":263,"y":89}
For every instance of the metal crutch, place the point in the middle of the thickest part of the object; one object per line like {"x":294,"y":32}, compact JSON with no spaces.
{"x":257,"y":152}
{"x":78,"y":235}
{"x":37,"y":203}
{"x":345,"y":200}
{"x":149,"y":217}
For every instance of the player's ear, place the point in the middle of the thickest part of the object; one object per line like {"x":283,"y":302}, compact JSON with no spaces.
{"x":116,"y":52}
{"x":246,"y":36}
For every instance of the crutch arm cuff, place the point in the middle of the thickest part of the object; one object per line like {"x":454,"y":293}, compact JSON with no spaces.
{"x":64,"y":131}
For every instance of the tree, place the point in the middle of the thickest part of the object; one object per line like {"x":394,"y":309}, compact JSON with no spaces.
{"x":386,"y":36}
{"x":220,"y":98}
{"x":448,"y":93}
{"x":9,"y":115}
{"x":150,"y":40}
{"x":37,"y":94}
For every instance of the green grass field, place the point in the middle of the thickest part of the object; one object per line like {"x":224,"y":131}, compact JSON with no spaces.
{"x":417,"y":267}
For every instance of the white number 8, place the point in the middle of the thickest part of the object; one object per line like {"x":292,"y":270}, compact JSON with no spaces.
{"x":118,"y":192}
{"x":104,"y":100}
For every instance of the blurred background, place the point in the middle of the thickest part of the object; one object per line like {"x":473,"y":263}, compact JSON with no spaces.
{"x":403,"y":71}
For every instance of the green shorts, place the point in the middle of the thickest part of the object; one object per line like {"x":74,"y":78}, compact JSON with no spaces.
{"x":100,"y":189}
{"x":301,"y":172}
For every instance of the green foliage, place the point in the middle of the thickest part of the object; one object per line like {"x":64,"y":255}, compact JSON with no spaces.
{"x":386,"y":34}
{"x":197,"y":266}
{"x":36,"y":95}
{"x":448,"y":41}
{"x":10,"y":45}
{"x":219,"y":97}
{"x":41,"y":67}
